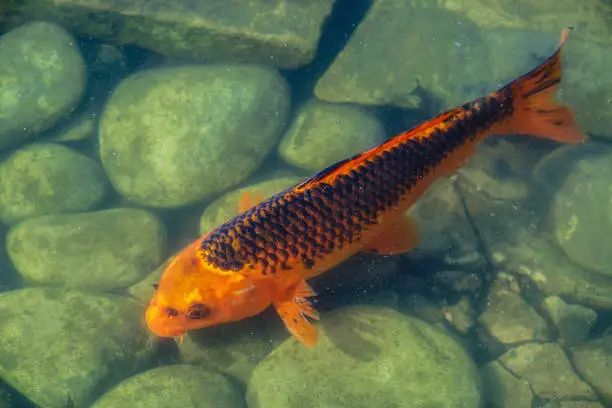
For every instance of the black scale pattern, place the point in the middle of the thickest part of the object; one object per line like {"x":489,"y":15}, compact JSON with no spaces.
{"x":311,"y":223}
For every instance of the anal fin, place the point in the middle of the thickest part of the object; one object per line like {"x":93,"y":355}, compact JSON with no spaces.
{"x":295,"y":311}
{"x":400,"y":235}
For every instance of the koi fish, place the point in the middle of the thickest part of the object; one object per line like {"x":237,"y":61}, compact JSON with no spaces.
{"x":265,"y":255}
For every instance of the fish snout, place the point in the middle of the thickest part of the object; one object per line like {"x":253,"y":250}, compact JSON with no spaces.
{"x":161,"y":324}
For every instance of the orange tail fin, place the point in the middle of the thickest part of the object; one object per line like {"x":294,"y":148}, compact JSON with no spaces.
{"x":535,"y":111}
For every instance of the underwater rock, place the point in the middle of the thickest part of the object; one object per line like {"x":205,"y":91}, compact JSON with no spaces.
{"x":460,"y":315}
{"x":46,"y":178}
{"x":144,"y":289}
{"x":173,"y":386}
{"x":547,"y":370}
{"x":445,"y":230}
{"x":543,"y":16}
{"x":42,"y":77}
{"x":545,"y":270}
{"x":323,"y":133}
{"x":175,"y":136}
{"x":283,"y":33}
{"x":573,"y":322}
{"x":227,"y":206}
{"x":496,"y":191}
{"x":101,"y":251}
{"x":62,"y":348}
{"x":502,"y":389}
{"x":366,"y":357}
{"x":235,"y":348}
{"x":400,"y":50}
{"x":508,"y":320}
{"x":572,"y":404}
{"x":592,"y":360}
{"x":581,"y":212}
{"x":501,"y":168}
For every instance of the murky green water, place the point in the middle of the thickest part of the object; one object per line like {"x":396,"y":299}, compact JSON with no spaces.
{"x":129,"y":128}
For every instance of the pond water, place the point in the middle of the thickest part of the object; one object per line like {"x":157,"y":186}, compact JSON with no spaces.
{"x":132,"y":128}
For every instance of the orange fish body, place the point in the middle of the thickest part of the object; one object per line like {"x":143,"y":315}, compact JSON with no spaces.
{"x":264,"y":256}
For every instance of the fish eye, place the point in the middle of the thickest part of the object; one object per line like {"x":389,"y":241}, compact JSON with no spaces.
{"x":198,"y":311}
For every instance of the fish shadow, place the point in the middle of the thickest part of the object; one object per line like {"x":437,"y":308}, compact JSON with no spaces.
{"x":354,"y":337}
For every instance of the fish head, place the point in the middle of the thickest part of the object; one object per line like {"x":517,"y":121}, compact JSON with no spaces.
{"x":191,"y":296}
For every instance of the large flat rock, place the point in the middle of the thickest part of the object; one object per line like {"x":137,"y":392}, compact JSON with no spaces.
{"x":283,"y":33}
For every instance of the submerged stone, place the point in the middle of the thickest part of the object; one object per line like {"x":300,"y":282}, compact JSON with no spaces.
{"x":509,"y":320}
{"x":502,"y":389}
{"x":548,"y":371}
{"x":173,"y":386}
{"x":46,"y":178}
{"x":42,"y":77}
{"x":592,"y":361}
{"x":175,"y":136}
{"x":366,"y":357}
{"x":399,"y":50}
{"x":282,"y":33}
{"x":573,"y":322}
{"x":323,"y":133}
{"x":62,"y":348}
{"x":543,"y":16}
{"x":545,"y":269}
{"x":101,"y":251}
{"x":582,"y":214}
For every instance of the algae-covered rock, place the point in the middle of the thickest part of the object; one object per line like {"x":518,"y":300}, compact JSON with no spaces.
{"x":175,"y":136}
{"x":323,"y":133}
{"x":573,"y":322}
{"x":62,"y":348}
{"x":46,"y":178}
{"x":583,"y":215}
{"x":283,"y":33}
{"x":545,"y":269}
{"x":445,"y":230}
{"x":145,"y":289}
{"x":592,"y":360}
{"x":509,"y":320}
{"x":548,"y":371}
{"x":367,"y":357}
{"x":400,"y":49}
{"x":573,"y":404}
{"x":42,"y":77}
{"x":227,"y":206}
{"x":102,"y":250}
{"x":174,"y":386}
{"x":547,"y":16}
{"x":502,"y":389}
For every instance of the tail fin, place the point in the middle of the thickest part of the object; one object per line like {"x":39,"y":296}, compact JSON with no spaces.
{"x":535,"y":111}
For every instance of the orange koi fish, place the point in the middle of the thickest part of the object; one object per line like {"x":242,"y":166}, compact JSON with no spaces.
{"x":265,"y":255}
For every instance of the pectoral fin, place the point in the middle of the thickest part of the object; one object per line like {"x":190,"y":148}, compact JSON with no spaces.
{"x":400,"y":235}
{"x":295,"y":312}
{"x":249,"y":199}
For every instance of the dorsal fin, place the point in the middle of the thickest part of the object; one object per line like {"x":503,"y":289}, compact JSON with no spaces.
{"x":324,"y":173}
